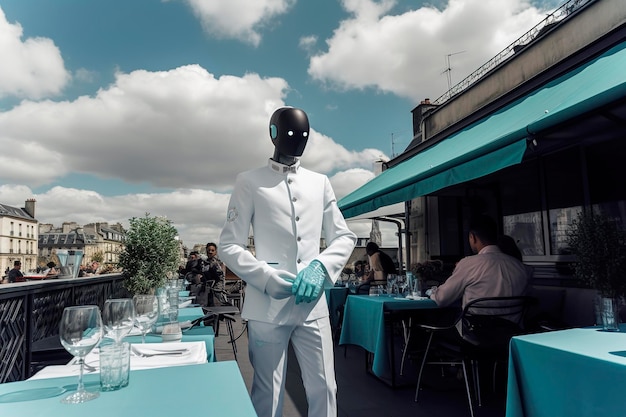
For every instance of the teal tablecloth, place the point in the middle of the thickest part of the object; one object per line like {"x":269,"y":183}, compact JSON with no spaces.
{"x":189,"y":313}
{"x":151,"y":392}
{"x":567,"y":373}
{"x":364,"y":325}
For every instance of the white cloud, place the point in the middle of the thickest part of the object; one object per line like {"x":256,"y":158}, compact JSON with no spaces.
{"x":238,"y":19}
{"x":85,"y":75}
{"x":405,"y":54}
{"x":178,"y":128}
{"x":36,"y":67}
{"x":198,"y":215}
{"x":308,"y":43}
{"x":183,"y":129}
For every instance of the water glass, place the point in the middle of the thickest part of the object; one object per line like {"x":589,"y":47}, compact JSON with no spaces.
{"x":172,"y":297}
{"x":416,"y":290}
{"x":114,"y":366}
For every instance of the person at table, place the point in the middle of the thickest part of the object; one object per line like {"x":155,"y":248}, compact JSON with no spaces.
{"x":15,"y":274}
{"x":487,"y":273}
{"x":93,"y":268}
{"x":193,"y":267}
{"x":290,"y":209}
{"x":380,"y":264}
{"x":51,"y":270}
{"x":359,"y":270}
{"x":213,"y":274}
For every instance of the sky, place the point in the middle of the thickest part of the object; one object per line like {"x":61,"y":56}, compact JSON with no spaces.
{"x":111,"y":109}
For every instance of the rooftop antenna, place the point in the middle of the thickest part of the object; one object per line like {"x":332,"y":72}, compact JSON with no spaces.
{"x":393,"y":142}
{"x":448,"y":69}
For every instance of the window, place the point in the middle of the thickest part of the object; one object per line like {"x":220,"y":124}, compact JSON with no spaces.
{"x":564,"y":195}
{"x":520,"y":192}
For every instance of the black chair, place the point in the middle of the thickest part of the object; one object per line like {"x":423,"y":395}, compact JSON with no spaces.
{"x":225,"y":314}
{"x":488,"y":324}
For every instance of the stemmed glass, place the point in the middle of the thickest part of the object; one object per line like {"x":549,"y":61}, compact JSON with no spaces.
{"x":80,"y":331}
{"x":146,"y":313}
{"x":118,"y":315}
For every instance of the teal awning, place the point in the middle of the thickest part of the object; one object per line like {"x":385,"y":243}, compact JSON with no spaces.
{"x":497,"y":141}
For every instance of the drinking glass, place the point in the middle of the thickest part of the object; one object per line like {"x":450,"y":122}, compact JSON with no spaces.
{"x":80,"y":331}
{"x":146,"y":313}
{"x":118,"y":315}
{"x":402,"y":285}
{"x":391,"y":284}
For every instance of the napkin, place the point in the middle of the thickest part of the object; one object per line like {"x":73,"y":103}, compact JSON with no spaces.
{"x":195,"y":354}
{"x":184,"y":304}
{"x":417,"y":297}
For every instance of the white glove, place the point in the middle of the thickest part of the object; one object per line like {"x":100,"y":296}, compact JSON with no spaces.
{"x":280,"y":283}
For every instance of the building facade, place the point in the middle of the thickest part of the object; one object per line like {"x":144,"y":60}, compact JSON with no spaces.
{"x":18,"y":236}
{"x":531,"y":139}
{"x":98,"y":241}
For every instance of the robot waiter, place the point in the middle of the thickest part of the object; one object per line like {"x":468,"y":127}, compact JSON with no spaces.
{"x":290,"y":208}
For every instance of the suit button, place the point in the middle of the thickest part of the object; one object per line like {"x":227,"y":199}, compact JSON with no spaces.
{"x":299,"y":239}
{"x":297,"y":218}
{"x":299,"y":261}
{"x":289,"y":181}
{"x":294,"y":199}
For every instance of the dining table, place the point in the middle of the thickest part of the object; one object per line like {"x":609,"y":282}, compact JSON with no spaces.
{"x":201,"y":332}
{"x":572,"y":372}
{"x":367,"y":323}
{"x":166,"y":391}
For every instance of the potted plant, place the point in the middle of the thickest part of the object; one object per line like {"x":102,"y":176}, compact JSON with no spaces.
{"x":150,"y":253}
{"x":599,"y":245}
{"x":428,"y":273}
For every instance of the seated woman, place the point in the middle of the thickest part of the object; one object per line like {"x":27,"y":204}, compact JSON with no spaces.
{"x":51,"y":269}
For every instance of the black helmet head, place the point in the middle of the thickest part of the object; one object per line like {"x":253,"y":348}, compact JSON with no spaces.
{"x":289,"y":130}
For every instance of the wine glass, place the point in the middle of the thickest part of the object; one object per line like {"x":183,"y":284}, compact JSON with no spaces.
{"x":118,"y":315}
{"x":80,"y":331}
{"x":146,"y":313}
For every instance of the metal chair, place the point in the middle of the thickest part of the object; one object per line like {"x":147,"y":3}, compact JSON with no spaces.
{"x":226,"y":314}
{"x":488,"y":324}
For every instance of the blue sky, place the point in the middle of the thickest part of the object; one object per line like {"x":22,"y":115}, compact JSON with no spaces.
{"x":110,"y":109}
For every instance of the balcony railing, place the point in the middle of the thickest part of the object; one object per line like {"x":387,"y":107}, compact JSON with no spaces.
{"x":31,"y":312}
{"x":559,"y":14}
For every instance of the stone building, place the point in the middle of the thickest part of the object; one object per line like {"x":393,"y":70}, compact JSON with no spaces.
{"x":18,"y":236}
{"x":96,"y":240}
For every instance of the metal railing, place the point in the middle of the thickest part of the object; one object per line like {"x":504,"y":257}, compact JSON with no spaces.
{"x":559,"y":14}
{"x":30,"y":313}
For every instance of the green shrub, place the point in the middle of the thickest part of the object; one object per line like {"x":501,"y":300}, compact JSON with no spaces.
{"x":150,"y":254}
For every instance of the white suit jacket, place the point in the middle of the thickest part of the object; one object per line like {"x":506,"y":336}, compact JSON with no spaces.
{"x":289,"y":208}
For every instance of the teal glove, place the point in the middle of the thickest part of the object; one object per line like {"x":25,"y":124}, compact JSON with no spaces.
{"x":309,"y":282}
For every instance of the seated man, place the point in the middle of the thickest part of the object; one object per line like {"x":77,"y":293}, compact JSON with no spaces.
{"x":15,"y":275}
{"x":213,"y":272}
{"x":488,"y":273}
{"x":193,"y":268}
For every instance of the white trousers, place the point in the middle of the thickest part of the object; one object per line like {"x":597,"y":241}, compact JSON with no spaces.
{"x":313,"y":345}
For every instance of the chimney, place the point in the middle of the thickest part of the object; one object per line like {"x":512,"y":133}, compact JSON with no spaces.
{"x":29,"y":207}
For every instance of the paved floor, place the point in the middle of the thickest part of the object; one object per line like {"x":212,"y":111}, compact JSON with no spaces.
{"x":360,"y":394}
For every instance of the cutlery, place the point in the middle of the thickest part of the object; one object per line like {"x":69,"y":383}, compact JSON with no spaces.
{"x":174,"y":352}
